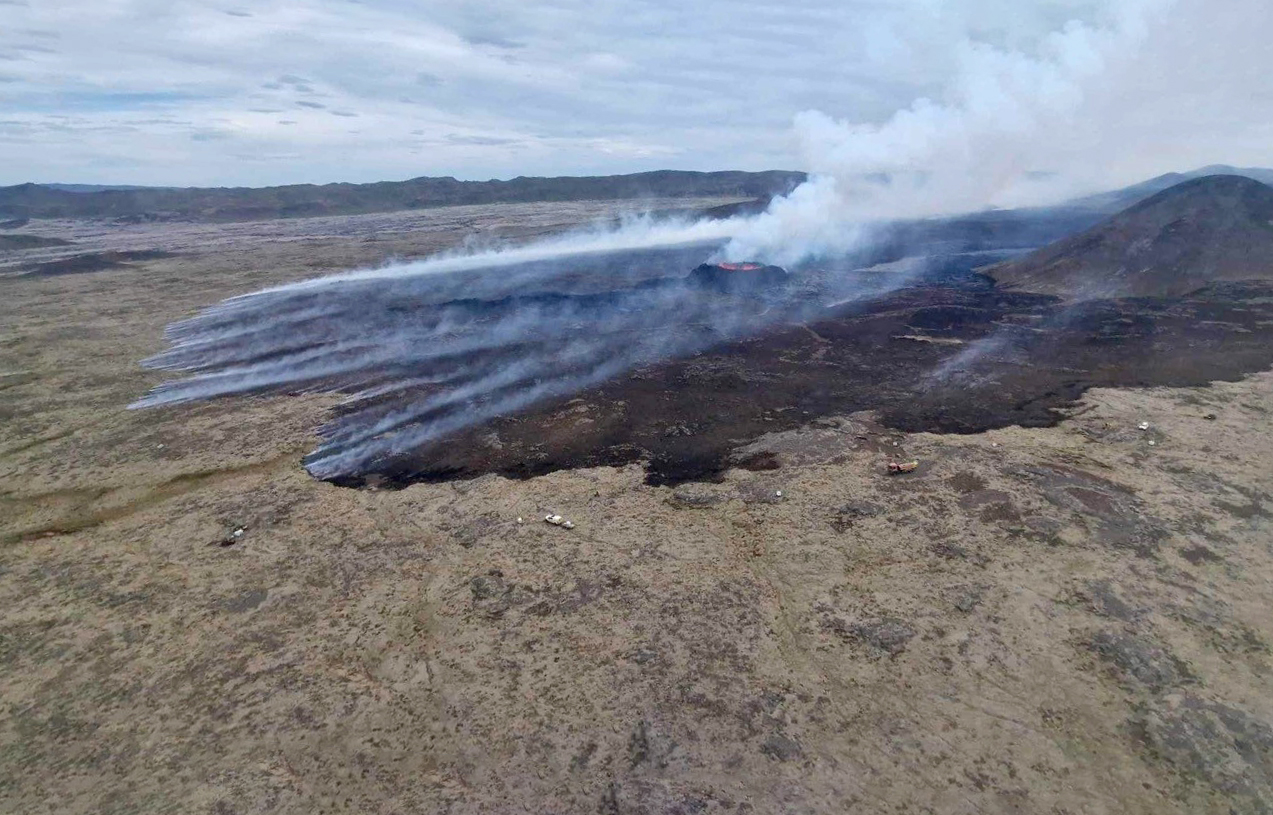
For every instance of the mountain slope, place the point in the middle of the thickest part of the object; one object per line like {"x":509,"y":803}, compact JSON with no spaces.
{"x":1117,"y":200}
{"x":1215,"y":228}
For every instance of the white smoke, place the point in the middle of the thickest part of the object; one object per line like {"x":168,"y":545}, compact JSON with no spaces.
{"x":635,"y":233}
{"x":994,"y":138}
{"x":983,"y":144}
{"x":413,"y":332}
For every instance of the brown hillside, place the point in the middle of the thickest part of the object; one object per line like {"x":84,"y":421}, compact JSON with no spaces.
{"x":1209,"y":229}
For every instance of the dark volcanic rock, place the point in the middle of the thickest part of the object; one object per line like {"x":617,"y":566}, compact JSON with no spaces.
{"x":697,"y":496}
{"x":1217,"y":228}
{"x":19,"y":242}
{"x":742,"y":209}
{"x":685,"y":379}
{"x":849,"y":514}
{"x":92,"y":262}
{"x":781,"y":747}
{"x":1225,"y":748}
{"x":887,"y":634}
{"x":787,"y":378}
{"x":967,"y":598}
{"x":1134,"y":657}
{"x":1101,"y":597}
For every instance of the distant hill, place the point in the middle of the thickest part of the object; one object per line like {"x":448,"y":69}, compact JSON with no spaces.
{"x":14,"y":243}
{"x":247,"y":204}
{"x":139,"y":204}
{"x":1215,"y":228}
{"x":1117,"y":200}
{"x":98,"y":187}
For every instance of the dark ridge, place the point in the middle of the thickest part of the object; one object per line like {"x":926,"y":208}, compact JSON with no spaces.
{"x":994,"y":230}
{"x":97,"y":187}
{"x":1116,"y":200}
{"x":741,"y":209}
{"x":246,"y":204}
{"x":16,"y":243}
{"x":92,"y":262}
{"x":1215,"y":228}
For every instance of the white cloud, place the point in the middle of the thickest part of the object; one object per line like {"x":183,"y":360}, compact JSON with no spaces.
{"x":192,"y":92}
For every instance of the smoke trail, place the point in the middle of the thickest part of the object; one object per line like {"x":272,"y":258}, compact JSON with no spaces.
{"x":633,"y":235}
{"x":425,"y":349}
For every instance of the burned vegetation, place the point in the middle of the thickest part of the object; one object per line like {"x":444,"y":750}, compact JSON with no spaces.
{"x":614,"y":357}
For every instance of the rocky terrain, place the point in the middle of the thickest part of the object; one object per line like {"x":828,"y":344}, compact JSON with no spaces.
{"x":1067,"y":619}
{"x":1203,"y":231}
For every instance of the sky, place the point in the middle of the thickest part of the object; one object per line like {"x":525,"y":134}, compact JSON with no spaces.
{"x":187,"y":92}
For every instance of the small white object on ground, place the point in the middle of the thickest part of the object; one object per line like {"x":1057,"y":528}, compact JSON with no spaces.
{"x":1152,"y":442}
{"x":557,"y":520}
{"x":778,"y":493}
{"x":1143,"y":425}
{"x":519,"y":519}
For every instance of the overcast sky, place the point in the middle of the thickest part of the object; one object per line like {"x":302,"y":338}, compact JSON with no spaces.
{"x":246,"y":93}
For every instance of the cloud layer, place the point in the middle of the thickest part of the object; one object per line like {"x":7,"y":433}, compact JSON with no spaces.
{"x":187,"y":92}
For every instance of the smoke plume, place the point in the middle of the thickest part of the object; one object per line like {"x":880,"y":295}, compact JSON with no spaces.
{"x":988,"y":142}
{"x":428,"y":348}
{"x":425,"y":349}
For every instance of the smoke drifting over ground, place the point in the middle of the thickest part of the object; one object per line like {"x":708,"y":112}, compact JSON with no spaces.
{"x":427,"y":349}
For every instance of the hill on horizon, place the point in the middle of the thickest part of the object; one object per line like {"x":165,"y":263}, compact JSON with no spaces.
{"x":1211,"y":229}
{"x":223,"y":204}
{"x":131,"y":203}
{"x":1116,"y":200}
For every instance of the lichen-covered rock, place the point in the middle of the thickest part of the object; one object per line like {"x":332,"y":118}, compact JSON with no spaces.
{"x":1225,"y":748}
{"x":1136,"y":658}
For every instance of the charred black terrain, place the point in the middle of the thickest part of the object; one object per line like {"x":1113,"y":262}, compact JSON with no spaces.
{"x":1173,"y":292}
{"x":655,"y":356}
{"x":955,"y":355}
